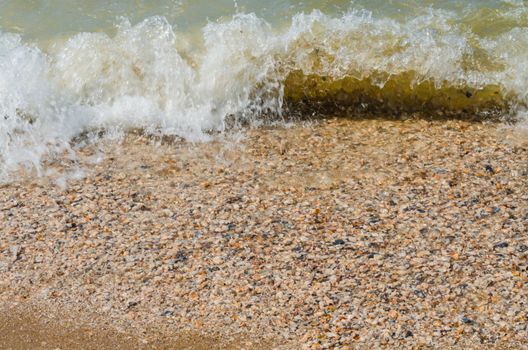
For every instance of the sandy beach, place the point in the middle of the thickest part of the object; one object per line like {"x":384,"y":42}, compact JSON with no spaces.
{"x":338,"y":233}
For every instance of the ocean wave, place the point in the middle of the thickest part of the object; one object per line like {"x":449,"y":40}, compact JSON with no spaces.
{"x":152,"y":77}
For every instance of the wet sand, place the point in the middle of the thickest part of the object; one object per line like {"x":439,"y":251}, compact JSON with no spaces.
{"x":25,"y":327}
{"x":337,"y":234}
{"x":29,"y":329}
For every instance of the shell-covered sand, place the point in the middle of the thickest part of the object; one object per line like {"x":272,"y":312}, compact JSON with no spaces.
{"x":340,"y":233}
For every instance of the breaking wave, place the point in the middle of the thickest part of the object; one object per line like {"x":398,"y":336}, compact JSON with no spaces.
{"x":149,"y":76}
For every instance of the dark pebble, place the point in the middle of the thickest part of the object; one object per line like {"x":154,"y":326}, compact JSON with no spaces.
{"x":419,"y":293}
{"x":467,"y":320}
{"x":408,"y":334}
{"x":181,"y":256}
{"x":489,"y":169}
{"x":501,"y":245}
{"x":286,"y":224}
{"x":297,"y":249}
{"x":167,"y":313}
{"x":374,"y":220}
{"x":339,"y":242}
{"x":131,"y":304}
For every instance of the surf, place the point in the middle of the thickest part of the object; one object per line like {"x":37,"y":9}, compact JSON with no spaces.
{"x":154,"y":76}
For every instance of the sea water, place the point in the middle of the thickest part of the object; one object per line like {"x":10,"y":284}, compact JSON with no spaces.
{"x":188,"y":68}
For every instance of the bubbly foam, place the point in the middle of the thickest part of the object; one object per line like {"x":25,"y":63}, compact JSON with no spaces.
{"x":152,"y":77}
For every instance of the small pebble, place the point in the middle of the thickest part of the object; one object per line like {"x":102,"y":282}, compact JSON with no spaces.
{"x":502,"y":245}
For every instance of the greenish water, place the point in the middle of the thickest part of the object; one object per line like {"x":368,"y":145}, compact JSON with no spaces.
{"x":185,"y":67}
{"x":45,"y":18}
{"x":42,"y":19}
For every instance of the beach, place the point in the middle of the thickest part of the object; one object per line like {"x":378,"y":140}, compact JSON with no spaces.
{"x":331,"y":233}
{"x":316,"y":174}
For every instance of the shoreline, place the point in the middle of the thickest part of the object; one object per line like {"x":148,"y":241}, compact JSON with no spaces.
{"x":337,"y":233}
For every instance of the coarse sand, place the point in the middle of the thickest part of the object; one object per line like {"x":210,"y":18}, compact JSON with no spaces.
{"x":338,"y":233}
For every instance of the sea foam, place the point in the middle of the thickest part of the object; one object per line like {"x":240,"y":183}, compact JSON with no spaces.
{"x":149,"y":76}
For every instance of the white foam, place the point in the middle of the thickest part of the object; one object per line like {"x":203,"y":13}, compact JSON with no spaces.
{"x":151,"y":77}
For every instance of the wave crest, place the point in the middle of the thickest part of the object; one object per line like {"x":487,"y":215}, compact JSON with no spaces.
{"x":152,"y":77}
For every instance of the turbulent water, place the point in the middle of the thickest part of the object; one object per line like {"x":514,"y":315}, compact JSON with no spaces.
{"x":185,"y":68}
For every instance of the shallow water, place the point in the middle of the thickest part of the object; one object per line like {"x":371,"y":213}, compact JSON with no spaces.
{"x":45,"y":19}
{"x":182,"y":67}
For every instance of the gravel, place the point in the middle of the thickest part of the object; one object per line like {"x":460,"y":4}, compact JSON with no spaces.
{"x":335,"y":234}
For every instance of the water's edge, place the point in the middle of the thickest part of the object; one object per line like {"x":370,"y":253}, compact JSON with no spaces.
{"x":154,"y":77}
